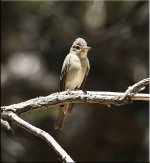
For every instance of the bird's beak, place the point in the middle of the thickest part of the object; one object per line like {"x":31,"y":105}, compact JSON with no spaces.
{"x":87,"y":48}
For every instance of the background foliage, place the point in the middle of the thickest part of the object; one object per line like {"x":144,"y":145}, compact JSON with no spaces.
{"x":35,"y":38}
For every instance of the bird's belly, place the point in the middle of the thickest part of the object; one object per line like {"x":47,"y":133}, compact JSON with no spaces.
{"x":74,"y":81}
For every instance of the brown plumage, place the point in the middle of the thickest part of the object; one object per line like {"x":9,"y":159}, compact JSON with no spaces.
{"x":73,"y":75}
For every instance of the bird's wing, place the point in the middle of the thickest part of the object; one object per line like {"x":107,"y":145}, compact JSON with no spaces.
{"x":64,"y":72}
{"x":63,"y":76}
{"x":86,"y":74}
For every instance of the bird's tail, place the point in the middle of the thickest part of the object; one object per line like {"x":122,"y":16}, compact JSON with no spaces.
{"x":63,"y":111}
{"x":59,"y":123}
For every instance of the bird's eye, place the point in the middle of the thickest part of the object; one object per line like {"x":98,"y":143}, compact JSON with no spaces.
{"x":78,"y":47}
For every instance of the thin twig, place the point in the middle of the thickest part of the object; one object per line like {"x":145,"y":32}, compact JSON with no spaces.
{"x":40,"y":133}
{"x":5,"y":124}
{"x":132,"y":90}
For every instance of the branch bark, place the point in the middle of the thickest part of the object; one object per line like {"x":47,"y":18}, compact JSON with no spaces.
{"x":11,"y":112}
{"x":114,"y":98}
{"x":132,"y":90}
{"x":82,"y":97}
{"x":40,"y":133}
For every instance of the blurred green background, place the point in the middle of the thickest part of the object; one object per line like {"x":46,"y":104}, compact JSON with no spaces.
{"x":35,"y":38}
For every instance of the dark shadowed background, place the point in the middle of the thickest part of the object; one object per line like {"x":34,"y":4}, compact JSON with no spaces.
{"x":36,"y":37}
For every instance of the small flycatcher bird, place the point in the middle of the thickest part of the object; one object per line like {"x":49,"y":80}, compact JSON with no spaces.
{"x":73,"y":75}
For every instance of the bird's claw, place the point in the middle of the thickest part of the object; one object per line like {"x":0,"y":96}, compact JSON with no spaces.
{"x":84,"y":91}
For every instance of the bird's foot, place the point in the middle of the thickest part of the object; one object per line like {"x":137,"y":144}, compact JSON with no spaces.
{"x":84,"y":91}
{"x":69,"y":91}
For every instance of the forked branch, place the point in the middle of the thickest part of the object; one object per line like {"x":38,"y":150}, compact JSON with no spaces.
{"x":11,"y":112}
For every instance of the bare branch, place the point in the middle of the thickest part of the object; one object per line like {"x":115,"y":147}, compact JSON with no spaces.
{"x":9,"y":113}
{"x":40,"y":133}
{"x":5,"y":124}
{"x":81,"y":97}
{"x":132,"y":90}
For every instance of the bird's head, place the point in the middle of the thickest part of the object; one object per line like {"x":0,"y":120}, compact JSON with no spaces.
{"x":80,"y":48}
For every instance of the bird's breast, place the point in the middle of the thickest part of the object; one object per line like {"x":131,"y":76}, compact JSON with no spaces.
{"x":75,"y":76}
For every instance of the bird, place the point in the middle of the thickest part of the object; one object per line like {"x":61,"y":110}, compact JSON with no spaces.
{"x":74,"y":72}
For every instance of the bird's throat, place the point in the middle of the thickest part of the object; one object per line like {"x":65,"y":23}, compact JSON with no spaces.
{"x":83,"y":54}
